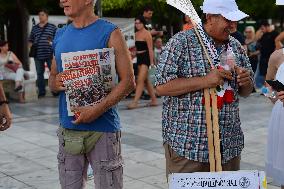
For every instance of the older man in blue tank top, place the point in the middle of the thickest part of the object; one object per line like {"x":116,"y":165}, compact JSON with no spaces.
{"x":101,"y":121}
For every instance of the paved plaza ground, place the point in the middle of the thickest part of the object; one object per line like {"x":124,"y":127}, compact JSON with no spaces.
{"x":28,"y":150}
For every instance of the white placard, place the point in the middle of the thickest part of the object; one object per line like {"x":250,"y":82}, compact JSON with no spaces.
{"x":279,"y":2}
{"x":219,"y":180}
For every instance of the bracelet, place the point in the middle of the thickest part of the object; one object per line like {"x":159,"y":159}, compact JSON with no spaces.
{"x":4,"y":102}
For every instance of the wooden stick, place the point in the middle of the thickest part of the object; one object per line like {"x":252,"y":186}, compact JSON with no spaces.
{"x":209,"y":125}
{"x":216,"y":130}
{"x":215,"y":112}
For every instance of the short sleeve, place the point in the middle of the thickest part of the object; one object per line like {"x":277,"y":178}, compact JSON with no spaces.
{"x":170,"y":59}
{"x":108,"y":28}
{"x":54,"y":30}
{"x":32,"y":35}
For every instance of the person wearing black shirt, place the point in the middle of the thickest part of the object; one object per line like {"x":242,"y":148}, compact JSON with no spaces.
{"x":267,"y":46}
{"x":238,"y":35}
{"x":147,"y":14}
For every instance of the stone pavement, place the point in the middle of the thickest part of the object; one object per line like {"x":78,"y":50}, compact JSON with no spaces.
{"x":28,"y":150}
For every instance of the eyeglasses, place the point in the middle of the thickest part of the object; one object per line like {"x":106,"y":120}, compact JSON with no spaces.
{"x":248,"y":31}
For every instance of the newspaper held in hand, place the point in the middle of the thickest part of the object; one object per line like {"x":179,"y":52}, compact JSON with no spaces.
{"x":88,"y":77}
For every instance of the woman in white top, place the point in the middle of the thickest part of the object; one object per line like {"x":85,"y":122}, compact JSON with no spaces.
{"x":8,"y":60}
{"x":274,"y":164}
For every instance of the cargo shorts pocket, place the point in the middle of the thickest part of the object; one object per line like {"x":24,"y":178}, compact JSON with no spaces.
{"x":113,"y":145}
{"x":111,"y":174}
{"x":70,"y":170}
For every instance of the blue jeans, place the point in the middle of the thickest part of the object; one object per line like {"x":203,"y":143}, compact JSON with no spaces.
{"x":40,"y":74}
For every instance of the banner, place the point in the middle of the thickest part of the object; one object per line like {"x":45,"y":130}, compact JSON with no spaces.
{"x":219,"y":180}
{"x":279,"y":2}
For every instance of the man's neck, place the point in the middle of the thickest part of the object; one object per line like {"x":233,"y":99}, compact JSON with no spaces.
{"x":84,"y":20}
{"x":41,"y":24}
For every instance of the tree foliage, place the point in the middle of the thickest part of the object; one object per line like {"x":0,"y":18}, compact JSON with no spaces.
{"x":255,"y":8}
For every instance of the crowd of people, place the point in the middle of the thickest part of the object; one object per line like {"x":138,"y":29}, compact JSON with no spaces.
{"x":183,"y":72}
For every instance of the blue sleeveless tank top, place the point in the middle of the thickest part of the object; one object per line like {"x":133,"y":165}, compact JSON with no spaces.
{"x":71,"y":39}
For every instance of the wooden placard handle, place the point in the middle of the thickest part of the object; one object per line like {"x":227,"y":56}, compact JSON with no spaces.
{"x":216,"y":130}
{"x":212,"y":128}
{"x":211,"y":149}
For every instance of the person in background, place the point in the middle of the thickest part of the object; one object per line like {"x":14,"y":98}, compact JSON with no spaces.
{"x":238,"y":35}
{"x":187,"y":23}
{"x":267,"y":46}
{"x":278,"y":41}
{"x":252,"y":47}
{"x":145,"y":58}
{"x":147,"y":14}
{"x":8,"y":58}
{"x":274,"y":164}
{"x":158,"y":47}
{"x":42,"y":36}
{"x":5,"y":113}
{"x":258,"y":34}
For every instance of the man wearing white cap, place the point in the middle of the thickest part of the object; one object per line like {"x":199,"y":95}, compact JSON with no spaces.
{"x":182,"y":74}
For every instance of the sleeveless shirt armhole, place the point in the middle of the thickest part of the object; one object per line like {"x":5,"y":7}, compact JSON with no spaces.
{"x":109,"y":34}
{"x":57,"y":36}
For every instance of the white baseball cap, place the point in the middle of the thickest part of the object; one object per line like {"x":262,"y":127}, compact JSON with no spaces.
{"x":227,"y":8}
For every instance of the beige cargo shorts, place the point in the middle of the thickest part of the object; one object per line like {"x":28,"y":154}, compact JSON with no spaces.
{"x":105,"y":160}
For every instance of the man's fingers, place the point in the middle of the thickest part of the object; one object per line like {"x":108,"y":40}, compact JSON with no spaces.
{"x":62,"y":88}
{"x":76,"y":109}
{"x":78,"y":121}
{"x":239,"y":70}
{"x":244,"y":80}
{"x":9,"y":123}
{"x":244,"y":83}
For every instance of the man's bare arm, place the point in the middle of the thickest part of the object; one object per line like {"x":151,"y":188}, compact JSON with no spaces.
{"x":54,"y":82}
{"x":124,"y":70}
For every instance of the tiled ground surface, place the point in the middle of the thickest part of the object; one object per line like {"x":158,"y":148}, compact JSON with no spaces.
{"x":28,"y":150}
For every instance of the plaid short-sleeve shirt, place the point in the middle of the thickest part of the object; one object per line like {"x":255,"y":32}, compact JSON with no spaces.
{"x":183,"y":117}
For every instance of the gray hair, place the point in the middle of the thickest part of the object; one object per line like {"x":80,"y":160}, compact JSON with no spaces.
{"x":250,"y":28}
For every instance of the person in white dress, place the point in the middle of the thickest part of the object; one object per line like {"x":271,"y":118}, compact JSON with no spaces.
{"x":274,"y":164}
{"x":8,"y":58}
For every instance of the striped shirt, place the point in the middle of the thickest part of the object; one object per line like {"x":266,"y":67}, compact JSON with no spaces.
{"x":43,"y":41}
{"x":183,"y":119}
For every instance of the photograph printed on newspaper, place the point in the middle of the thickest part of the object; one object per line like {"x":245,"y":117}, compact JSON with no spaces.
{"x":88,"y":76}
